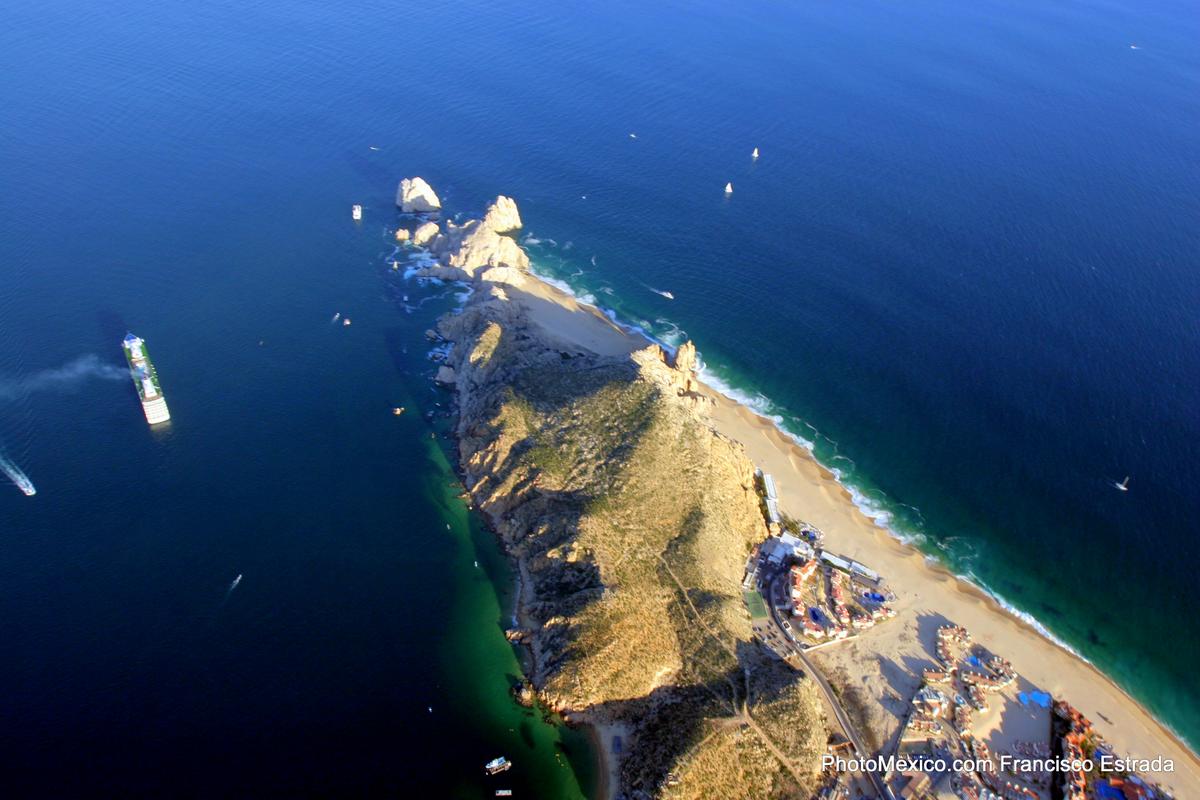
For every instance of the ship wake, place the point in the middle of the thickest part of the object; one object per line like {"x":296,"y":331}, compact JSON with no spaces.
{"x":67,"y":378}
{"x":17,"y":476}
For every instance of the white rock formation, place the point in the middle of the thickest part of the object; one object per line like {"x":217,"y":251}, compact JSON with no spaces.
{"x":402,"y":234}
{"x":416,"y":195}
{"x":425,"y":233}
{"x":508,"y":275}
{"x":474,"y":245}
{"x":502,"y":215}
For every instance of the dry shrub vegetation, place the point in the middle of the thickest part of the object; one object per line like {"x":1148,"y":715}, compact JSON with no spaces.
{"x":632,"y":520}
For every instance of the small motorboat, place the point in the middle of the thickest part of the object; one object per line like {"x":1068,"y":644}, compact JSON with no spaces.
{"x":346,"y":322}
{"x":397,"y":411}
{"x":497,"y":765}
{"x":356,"y":212}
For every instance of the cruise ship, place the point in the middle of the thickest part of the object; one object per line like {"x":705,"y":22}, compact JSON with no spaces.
{"x":145,"y":378}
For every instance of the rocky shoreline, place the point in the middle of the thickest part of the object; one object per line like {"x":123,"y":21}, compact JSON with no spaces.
{"x":618,"y":484}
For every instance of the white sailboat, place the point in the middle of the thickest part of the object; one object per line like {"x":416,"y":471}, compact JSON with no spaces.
{"x":729,"y":188}
{"x":1123,"y":485}
{"x":755,"y":153}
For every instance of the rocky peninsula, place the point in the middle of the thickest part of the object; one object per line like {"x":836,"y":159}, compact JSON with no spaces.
{"x":629,"y":520}
{"x":624,"y":490}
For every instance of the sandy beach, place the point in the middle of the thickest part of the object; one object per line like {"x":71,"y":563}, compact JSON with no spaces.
{"x":886,"y":662}
{"x":929,"y":594}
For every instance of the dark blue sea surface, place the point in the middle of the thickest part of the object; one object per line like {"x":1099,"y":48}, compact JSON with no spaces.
{"x":964,"y":268}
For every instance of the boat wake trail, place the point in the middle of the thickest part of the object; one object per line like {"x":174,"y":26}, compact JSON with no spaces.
{"x":18,"y":477}
{"x":233,"y":585}
{"x":66,"y":378}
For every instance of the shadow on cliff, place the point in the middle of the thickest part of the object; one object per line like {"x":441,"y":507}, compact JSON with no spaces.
{"x":546,"y":434}
{"x":675,"y":720}
{"x":516,"y":486}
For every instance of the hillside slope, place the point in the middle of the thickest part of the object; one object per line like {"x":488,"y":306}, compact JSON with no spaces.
{"x":630,"y":521}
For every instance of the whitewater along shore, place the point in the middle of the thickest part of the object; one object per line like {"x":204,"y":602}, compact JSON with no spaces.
{"x":810,"y":492}
{"x":883,"y":665}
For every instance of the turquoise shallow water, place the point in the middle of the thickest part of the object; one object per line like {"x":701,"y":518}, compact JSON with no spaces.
{"x":964,"y":268}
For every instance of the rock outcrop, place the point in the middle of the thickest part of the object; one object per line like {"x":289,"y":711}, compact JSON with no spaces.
{"x":415,"y":195}
{"x":473,"y":246}
{"x":476,"y":249}
{"x":502,"y":215}
{"x":403,"y":234}
{"x":425,"y":233}
{"x":509,"y":275}
{"x":685,"y":363}
{"x":677,"y":374}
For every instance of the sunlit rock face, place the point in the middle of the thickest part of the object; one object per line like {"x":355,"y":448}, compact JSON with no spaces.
{"x":416,"y":196}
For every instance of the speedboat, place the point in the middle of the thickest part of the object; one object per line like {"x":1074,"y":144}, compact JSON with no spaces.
{"x":497,"y":765}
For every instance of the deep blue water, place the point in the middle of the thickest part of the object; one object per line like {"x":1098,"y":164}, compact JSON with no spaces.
{"x":964,"y":267}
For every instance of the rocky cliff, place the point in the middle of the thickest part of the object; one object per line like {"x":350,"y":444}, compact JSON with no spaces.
{"x":415,"y":195}
{"x":630,"y":521}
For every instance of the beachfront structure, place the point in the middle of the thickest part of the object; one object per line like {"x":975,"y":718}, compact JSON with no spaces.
{"x":797,"y":548}
{"x":860,"y":571}
{"x":852,"y":568}
{"x":837,"y":562}
{"x":861,"y":621}
{"x":773,"y":512}
{"x":930,"y":702}
{"x":774,"y":550}
{"x":786,"y":547}
{"x":800,"y":574}
{"x":770,"y":498}
{"x":752,"y":567}
{"x":769,"y":486}
{"x":947,"y":637}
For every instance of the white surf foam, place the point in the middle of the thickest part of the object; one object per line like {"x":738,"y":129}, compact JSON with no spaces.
{"x":17,"y":476}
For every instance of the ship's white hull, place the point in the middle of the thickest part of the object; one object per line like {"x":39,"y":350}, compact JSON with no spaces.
{"x":154,"y":405}
{"x":156,"y":410}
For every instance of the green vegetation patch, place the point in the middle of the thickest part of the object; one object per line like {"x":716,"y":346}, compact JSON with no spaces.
{"x":754,"y":602}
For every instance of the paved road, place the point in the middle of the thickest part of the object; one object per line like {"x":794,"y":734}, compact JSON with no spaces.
{"x":843,"y":719}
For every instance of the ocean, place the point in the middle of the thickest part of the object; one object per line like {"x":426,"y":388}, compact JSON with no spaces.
{"x":963,"y":269}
